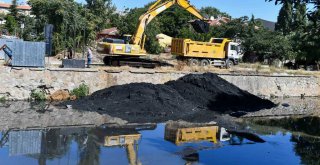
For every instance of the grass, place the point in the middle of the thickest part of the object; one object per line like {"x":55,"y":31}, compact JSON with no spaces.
{"x":38,"y":95}
{"x":81,"y":91}
{"x":259,"y":68}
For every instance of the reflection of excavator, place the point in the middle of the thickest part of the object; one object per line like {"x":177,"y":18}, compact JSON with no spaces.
{"x":129,"y":49}
{"x":121,"y":137}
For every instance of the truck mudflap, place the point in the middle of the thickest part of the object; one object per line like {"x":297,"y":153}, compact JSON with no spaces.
{"x":235,"y":61}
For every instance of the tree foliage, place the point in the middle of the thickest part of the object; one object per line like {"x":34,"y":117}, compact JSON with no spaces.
{"x":299,"y":17}
{"x":284,"y":23}
{"x":297,"y":34}
{"x":11,"y":24}
{"x":305,"y":32}
{"x":13,"y":10}
{"x":74,"y":24}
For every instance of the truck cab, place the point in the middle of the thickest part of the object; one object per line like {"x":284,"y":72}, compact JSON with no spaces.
{"x":234,"y":52}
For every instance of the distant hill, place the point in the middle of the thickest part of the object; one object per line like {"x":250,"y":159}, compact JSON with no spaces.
{"x":267,"y":24}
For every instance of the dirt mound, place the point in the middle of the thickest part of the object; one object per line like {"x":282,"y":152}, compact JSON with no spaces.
{"x":191,"y":98}
{"x":60,"y":95}
{"x":212,"y":92}
{"x":139,"y":102}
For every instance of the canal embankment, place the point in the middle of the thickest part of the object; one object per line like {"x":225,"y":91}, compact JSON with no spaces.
{"x":17,"y":83}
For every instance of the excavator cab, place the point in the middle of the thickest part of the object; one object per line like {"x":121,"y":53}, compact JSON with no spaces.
{"x":127,"y":38}
{"x":124,"y":40}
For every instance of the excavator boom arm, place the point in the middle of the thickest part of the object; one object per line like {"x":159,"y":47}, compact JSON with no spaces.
{"x":156,"y":9}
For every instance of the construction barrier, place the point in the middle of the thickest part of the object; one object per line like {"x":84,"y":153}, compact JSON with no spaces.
{"x":25,"y":53}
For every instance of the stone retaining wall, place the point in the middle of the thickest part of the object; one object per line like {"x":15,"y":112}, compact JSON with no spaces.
{"x":17,"y":83}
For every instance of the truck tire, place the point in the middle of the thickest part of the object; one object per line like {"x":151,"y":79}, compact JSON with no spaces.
{"x":229,"y":64}
{"x":204,"y":62}
{"x":193,"y":62}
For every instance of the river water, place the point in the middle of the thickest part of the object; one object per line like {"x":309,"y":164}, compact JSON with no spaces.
{"x":156,"y":144}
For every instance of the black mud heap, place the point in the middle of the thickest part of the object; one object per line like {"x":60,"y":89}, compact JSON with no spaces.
{"x":195,"y":98}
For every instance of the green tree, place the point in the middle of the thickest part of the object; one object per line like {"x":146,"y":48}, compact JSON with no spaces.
{"x":13,"y":9}
{"x":99,"y":15}
{"x":212,"y":11}
{"x":307,"y":41}
{"x":284,"y":22}
{"x":300,"y":16}
{"x":67,"y":18}
{"x":11,"y":24}
{"x":28,"y":33}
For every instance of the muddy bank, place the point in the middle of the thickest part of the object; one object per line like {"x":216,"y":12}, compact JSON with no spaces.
{"x":23,"y":115}
{"x":194,"y":98}
{"x":290,"y":107}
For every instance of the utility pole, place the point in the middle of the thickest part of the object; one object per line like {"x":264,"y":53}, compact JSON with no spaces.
{"x":74,"y":33}
{"x":84,"y":35}
{"x":22,"y":28}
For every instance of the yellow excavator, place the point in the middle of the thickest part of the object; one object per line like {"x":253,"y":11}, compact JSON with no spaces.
{"x":131,"y":48}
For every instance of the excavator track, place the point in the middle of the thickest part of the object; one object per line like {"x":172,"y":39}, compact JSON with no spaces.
{"x":137,"y":62}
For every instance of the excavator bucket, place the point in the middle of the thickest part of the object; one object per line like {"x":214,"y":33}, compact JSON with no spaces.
{"x":200,"y":26}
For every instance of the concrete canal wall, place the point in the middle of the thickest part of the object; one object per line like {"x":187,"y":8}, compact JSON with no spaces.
{"x":17,"y":83}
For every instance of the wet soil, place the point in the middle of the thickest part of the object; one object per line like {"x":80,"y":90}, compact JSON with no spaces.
{"x":216,"y":94}
{"x":194,"y":98}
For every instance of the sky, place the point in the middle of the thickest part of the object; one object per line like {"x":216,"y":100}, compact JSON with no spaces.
{"x":236,"y":8}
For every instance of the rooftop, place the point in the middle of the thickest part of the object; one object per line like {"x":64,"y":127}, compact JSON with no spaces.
{"x":21,"y":7}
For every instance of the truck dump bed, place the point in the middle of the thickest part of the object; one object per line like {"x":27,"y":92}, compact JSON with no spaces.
{"x":196,"y":49}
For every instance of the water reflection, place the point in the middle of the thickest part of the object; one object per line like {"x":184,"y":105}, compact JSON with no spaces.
{"x":307,"y":148}
{"x":120,"y":137}
{"x":180,"y":132}
{"x":171,"y":143}
{"x":309,"y":125}
{"x":42,"y":145}
{"x":305,"y":136}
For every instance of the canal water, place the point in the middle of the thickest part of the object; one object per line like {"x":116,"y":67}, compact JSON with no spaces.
{"x":161,"y":144}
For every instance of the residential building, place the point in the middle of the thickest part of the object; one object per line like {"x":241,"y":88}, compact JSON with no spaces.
{"x":23,"y":9}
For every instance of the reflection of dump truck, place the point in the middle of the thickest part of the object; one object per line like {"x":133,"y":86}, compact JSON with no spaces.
{"x":179,"y":133}
{"x":220,"y":52}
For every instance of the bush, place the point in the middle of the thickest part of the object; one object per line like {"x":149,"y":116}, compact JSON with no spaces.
{"x":81,"y":91}
{"x":38,"y":95}
{"x":2,"y":99}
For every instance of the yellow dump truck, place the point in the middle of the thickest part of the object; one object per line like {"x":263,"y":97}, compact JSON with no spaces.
{"x":220,"y":52}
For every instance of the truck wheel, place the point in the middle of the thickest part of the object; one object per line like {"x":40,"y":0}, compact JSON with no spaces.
{"x":230,"y":64}
{"x":204,"y":63}
{"x":193,"y":62}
